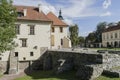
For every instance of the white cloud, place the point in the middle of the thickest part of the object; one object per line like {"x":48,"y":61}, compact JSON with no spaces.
{"x":70,"y":9}
{"x":68,"y":21}
{"x":85,"y":33}
{"x":46,"y":7}
{"x":78,"y":8}
{"x":106,"y":4}
{"x":106,"y":14}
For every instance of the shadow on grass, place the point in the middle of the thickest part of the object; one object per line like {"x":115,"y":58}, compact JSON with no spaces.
{"x":36,"y":71}
{"x":50,"y":75}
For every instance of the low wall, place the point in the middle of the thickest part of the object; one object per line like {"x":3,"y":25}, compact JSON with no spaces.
{"x":78,"y":58}
{"x":3,"y":66}
{"x":87,"y":65}
{"x":111,"y":61}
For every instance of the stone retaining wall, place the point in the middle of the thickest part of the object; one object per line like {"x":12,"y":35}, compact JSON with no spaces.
{"x":61,"y":61}
{"x":110,"y":61}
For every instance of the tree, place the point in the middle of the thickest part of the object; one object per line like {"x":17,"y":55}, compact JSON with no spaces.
{"x":100,"y":28}
{"x":7,"y":25}
{"x":81,"y":40}
{"x":91,"y":37}
{"x":74,"y":35}
{"x":111,"y":24}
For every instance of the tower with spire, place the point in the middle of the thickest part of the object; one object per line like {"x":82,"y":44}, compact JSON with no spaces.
{"x":60,"y":15}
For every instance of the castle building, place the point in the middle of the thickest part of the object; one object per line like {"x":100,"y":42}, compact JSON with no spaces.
{"x":36,"y":31}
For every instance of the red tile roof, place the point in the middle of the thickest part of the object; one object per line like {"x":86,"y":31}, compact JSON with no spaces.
{"x":112,"y":28}
{"x":56,"y":20}
{"x":32,"y":13}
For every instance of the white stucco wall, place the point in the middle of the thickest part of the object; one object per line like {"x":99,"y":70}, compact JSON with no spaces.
{"x":40,"y":39}
{"x":106,"y":37}
{"x":58,"y":36}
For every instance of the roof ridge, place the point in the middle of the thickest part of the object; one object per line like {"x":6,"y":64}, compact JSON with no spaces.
{"x":55,"y":19}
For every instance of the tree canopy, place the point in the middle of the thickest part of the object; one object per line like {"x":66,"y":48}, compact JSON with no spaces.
{"x":74,"y":34}
{"x":91,"y":37}
{"x":7,"y":25}
{"x":98,"y":33}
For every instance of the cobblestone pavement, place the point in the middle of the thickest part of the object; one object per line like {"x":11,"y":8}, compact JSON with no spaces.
{"x":12,"y":76}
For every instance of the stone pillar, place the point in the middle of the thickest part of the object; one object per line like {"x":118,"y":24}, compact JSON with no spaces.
{"x":13,"y":63}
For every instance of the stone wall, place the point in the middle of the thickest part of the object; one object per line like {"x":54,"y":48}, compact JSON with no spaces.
{"x":111,"y":61}
{"x":78,"y":58}
{"x":87,"y":65}
{"x":3,"y":67}
{"x":13,"y":63}
{"x":23,"y":65}
{"x":62,"y":61}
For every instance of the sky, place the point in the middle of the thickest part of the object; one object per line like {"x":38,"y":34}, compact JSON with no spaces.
{"x":85,"y":13}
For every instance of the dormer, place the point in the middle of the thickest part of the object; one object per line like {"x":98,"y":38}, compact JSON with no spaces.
{"x":20,"y":14}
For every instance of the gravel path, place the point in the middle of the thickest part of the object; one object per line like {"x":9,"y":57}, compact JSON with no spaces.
{"x":12,"y":76}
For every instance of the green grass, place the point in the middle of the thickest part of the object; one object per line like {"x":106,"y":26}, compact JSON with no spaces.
{"x":118,"y":67}
{"x":49,"y":75}
{"x":1,"y":75}
{"x":114,"y":49}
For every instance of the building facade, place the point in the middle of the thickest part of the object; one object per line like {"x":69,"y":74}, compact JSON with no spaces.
{"x":111,"y":36}
{"x":59,"y":37}
{"x":35,"y":31}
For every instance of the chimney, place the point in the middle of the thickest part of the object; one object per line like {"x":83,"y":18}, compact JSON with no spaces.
{"x":25,"y":12}
{"x":39,"y":8}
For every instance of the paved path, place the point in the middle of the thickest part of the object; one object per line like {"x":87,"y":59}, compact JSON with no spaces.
{"x":12,"y":76}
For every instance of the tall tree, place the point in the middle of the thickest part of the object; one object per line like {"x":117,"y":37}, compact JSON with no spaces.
{"x":74,"y":35}
{"x":7,"y":25}
{"x":100,"y":28}
{"x":111,"y":24}
{"x":91,"y":37}
{"x":118,"y":23}
{"x":81,"y":41}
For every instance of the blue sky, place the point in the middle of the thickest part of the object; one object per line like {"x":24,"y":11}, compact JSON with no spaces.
{"x":86,"y":13}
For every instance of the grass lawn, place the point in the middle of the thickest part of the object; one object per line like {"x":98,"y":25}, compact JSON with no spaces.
{"x":49,"y":75}
{"x":114,"y":49}
{"x":1,"y":75}
{"x":118,"y":67}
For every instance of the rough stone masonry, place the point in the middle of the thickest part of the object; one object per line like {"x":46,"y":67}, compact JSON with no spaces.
{"x":88,"y":66}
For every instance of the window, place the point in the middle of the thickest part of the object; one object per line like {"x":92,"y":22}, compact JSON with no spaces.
{"x":20,"y":14}
{"x":32,"y":29}
{"x":24,"y":42}
{"x":52,"y":40}
{"x":17,"y":29}
{"x":61,"y":41}
{"x":24,"y":58}
{"x":61,"y":29}
{"x":107,"y":35}
{"x":115,"y":35}
{"x":31,"y":54}
{"x":16,"y":54}
{"x":111,"y":35}
{"x":53,"y":29}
